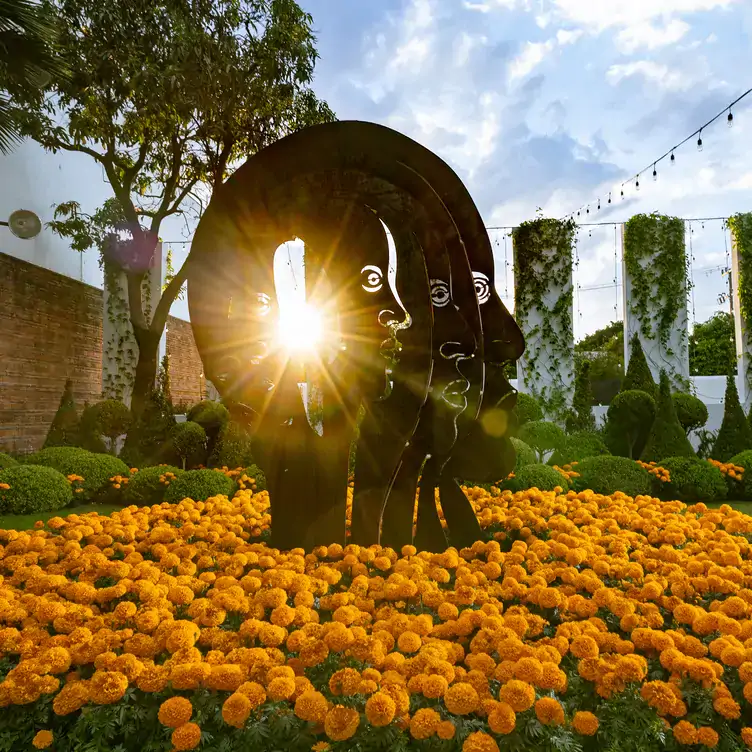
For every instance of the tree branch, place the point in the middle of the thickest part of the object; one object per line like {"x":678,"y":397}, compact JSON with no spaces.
{"x":135,"y":301}
{"x":162,"y":311}
{"x":81,"y":149}
{"x":181,"y":197}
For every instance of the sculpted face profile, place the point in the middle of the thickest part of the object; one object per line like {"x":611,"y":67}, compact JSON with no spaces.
{"x":419,"y":364}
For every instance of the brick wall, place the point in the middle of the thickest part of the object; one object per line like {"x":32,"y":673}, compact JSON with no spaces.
{"x":51,"y":330}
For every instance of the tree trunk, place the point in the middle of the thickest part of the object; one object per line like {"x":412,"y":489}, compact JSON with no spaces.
{"x":146,"y":369}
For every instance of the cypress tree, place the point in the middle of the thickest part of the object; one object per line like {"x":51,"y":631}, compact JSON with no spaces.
{"x":735,"y":435}
{"x":581,"y":417}
{"x":638,"y":374}
{"x":64,"y":428}
{"x":667,"y":437}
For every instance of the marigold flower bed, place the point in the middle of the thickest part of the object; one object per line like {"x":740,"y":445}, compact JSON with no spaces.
{"x":583,"y":622}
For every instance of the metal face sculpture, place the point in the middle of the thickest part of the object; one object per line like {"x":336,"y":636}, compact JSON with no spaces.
{"x":420,"y":363}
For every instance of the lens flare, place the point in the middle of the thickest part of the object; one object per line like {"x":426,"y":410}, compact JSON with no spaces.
{"x":300,"y":328}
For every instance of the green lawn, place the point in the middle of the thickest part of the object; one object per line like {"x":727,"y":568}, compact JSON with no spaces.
{"x":26,"y":521}
{"x":743,"y":506}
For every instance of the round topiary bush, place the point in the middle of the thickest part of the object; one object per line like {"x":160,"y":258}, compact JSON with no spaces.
{"x":691,"y":411}
{"x":525,"y":454}
{"x":96,"y":470}
{"x":233,"y":448}
{"x":607,"y":475}
{"x":578,"y":446}
{"x":7,"y":461}
{"x":527,"y":409}
{"x":692,"y":481}
{"x":113,"y":419}
{"x":212,"y":417}
{"x":66,"y":460}
{"x":189,"y":442}
{"x":148,"y":486}
{"x":199,"y":485}
{"x":742,"y":489}
{"x":543,"y":437}
{"x":542,"y":477}
{"x":33,"y":488}
{"x":628,"y":422}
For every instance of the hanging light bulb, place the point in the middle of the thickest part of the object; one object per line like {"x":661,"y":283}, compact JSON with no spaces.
{"x":699,"y":142}
{"x":730,"y":119}
{"x":588,"y":209}
{"x":599,"y":204}
{"x":637,"y":184}
{"x":609,"y":197}
{"x":673,"y":159}
{"x":655,"y":173}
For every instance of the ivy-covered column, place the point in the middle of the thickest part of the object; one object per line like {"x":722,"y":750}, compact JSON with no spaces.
{"x":741,"y":277}
{"x":543,"y":252}
{"x":656,"y":281}
{"x":119,"y":348}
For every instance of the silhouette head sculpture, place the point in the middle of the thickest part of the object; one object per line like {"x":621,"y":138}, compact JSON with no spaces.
{"x":421,"y":356}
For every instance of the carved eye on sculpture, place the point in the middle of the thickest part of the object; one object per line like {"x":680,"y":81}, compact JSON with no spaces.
{"x":374,"y":278}
{"x":439,"y":293}
{"x":482,"y":287}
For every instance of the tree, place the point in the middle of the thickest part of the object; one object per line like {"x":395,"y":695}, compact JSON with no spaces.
{"x":734,"y":435}
{"x":667,"y":437}
{"x":113,"y":421}
{"x":638,"y":374}
{"x":543,"y":437}
{"x":167,"y":96}
{"x":188,"y":440}
{"x":28,"y":60}
{"x":604,"y":349}
{"x":64,"y":428}
{"x":581,"y":417}
{"x":628,"y":422}
{"x":712,"y":348}
{"x":691,"y":411}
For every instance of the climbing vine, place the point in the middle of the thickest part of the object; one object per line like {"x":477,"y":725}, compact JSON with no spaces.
{"x":741,"y":233}
{"x":656,"y":261}
{"x":543,"y":252}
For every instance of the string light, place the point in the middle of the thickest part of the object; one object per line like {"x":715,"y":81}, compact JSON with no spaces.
{"x":670,"y":153}
{"x":655,"y":173}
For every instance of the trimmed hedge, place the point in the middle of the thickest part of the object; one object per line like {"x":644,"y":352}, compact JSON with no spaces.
{"x":735,"y":435}
{"x":33,"y":488}
{"x":7,"y":461}
{"x":233,"y":448}
{"x":542,"y":436}
{"x":692,"y":481}
{"x":741,"y":489}
{"x":188,"y":440}
{"x":691,"y":411}
{"x":199,"y":485}
{"x":607,"y":475}
{"x":542,"y":477}
{"x":628,"y":422}
{"x":577,"y":447}
{"x":527,"y":409}
{"x":638,"y":375}
{"x":145,"y":488}
{"x":667,"y":437}
{"x":525,"y":454}
{"x":65,"y":460}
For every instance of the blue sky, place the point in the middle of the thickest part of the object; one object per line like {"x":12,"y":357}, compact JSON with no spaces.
{"x":552,"y":103}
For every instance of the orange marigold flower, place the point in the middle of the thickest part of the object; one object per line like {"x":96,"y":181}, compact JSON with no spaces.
{"x":341,"y":723}
{"x":380,"y":709}
{"x":747,"y":736}
{"x":187,"y":736}
{"x":549,"y":711}
{"x":585,"y":723}
{"x":502,"y":719}
{"x":311,"y":706}
{"x":461,"y":698}
{"x":685,"y":733}
{"x":707,"y":736}
{"x":434,"y":686}
{"x":479,"y":741}
{"x":281,"y":688}
{"x":175,"y":711}
{"x":584,"y":647}
{"x":424,"y":723}
{"x":446,"y":730}
{"x":409,"y":642}
{"x":42,"y":739}
{"x":518,"y":695}
{"x":254,"y":692}
{"x":236,"y":709}
{"x":107,"y":687}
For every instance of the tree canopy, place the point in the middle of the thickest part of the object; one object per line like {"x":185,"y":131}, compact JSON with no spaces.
{"x":712,"y":349}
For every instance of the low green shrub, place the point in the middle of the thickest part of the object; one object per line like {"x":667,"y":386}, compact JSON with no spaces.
{"x":542,"y":477}
{"x":64,"y":459}
{"x":742,"y":489}
{"x":525,"y":454}
{"x":255,"y":473}
{"x":543,"y":437}
{"x":145,"y":487}
{"x":577,"y":447}
{"x":199,"y":485}
{"x":7,"y":461}
{"x":33,"y":488}
{"x":692,"y":481}
{"x":607,"y":475}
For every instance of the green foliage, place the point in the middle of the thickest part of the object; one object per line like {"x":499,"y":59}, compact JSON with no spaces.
{"x":199,"y":485}
{"x":712,"y":346}
{"x":692,"y":480}
{"x":7,"y":461}
{"x":113,"y":420}
{"x":259,"y":478}
{"x":33,"y":488}
{"x":89,"y":437}
{"x":525,"y":454}
{"x":628,"y":422}
{"x":608,"y":344}
{"x":145,"y":488}
{"x":735,"y":434}
{"x":527,"y":409}
{"x":233,"y":448}
{"x":542,"y":477}
{"x":667,"y":437}
{"x":577,"y":447}
{"x":691,"y":411}
{"x":742,"y":489}
{"x":741,"y":231}
{"x":167,"y":97}
{"x":656,"y":260}
{"x":188,"y":440}
{"x":64,"y":428}
{"x":212,"y":417}
{"x":543,"y":437}
{"x":581,"y":417}
{"x":607,"y":475}
{"x":63,"y":459}
{"x":543,"y":254}
{"x":638,"y":376}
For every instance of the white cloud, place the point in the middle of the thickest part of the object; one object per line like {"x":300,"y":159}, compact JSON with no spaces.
{"x":646,"y":35}
{"x":464,"y":45}
{"x":660,"y":75}
{"x":532,"y":55}
{"x":486,"y":6}
{"x":411,"y":54}
{"x":568,"y":36}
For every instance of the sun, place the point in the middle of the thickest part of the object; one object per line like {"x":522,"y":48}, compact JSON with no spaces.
{"x":300,"y":328}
